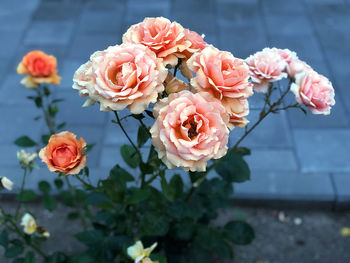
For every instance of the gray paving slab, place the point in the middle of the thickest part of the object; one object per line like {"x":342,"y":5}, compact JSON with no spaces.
{"x":323,"y":150}
{"x":278,"y":7}
{"x":341,"y":184}
{"x":72,"y":112}
{"x":287,"y":186}
{"x":267,"y":160}
{"x":273,"y":132}
{"x":57,"y":10}
{"x":49,"y":33}
{"x":291,"y":25}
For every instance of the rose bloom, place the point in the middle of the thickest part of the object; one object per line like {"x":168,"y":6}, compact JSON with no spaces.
{"x":165,"y":38}
{"x":315,"y":91}
{"x":173,"y":84}
{"x":238,"y":109}
{"x":297,"y":66}
{"x":190,"y":129}
{"x":29,"y":224}
{"x":127,"y":75}
{"x":197,"y":43}
{"x":64,"y":153}
{"x":39,"y":68}
{"x":140,"y":254}
{"x":266,"y":66}
{"x":222,"y":75}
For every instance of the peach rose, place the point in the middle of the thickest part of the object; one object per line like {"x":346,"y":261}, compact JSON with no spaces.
{"x":40,"y":68}
{"x":197,"y":43}
{"x":315,"y":91}
{"x":222,"y":75}
{"x":190,"y":129}
{"x":64,"y":153}
{"x":127,"y":75}
{"x":173,"y":84}
{"x":165,"y":38}
{"x":237,"y":109}
{"x":266,"y":66}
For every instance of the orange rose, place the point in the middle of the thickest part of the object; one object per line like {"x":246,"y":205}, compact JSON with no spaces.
{"x":64,"y":153}
{"x":40,"y":68}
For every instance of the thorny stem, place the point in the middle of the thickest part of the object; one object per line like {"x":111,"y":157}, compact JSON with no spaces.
{"x":46,"y":113}
{"x":71,"y":190}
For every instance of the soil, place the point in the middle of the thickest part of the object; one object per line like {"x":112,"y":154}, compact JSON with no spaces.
{"x":290,"y":236}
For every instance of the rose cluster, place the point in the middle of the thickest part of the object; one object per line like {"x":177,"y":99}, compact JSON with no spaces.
{"x":192,"y":120}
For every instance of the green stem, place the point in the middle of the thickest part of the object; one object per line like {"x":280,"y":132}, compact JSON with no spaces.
{"x":80,"y":212}
{"x":25,"y":169}
{"x":47,"y":117}
{"x":83,"y":182}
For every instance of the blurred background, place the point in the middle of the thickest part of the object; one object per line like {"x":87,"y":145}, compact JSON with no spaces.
{"x":296,"y":160}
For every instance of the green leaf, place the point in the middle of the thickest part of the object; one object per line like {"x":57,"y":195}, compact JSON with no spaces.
{"x":154,"y":225}
{"x":239,"y":232}
{"x":61,"y":125}
{"x":174,"y":189}
{"x":49,"y":202}
{"x":143,"y":135}
{"x":233,"y":168}
{"x":15,"y":249}
{"x":30,"y":257}
{"x":18,"y":260}
{"x":4,"y":239}
{"x":90,"y":238}
{"x":57,"y":257}
{"x":129,"y":155}
{"x":57,"y":100}
{"x":46,"y":91}
{"x":58,"y":183}
{"x":197,"y":177}
{"x":72,"y":215}
{"x":184,"y":230}
{"x":120,"y":175}
{"x":53,"y":109}
{"x":26,"y":196}
{"x":45,"y":139}
{"x":44,"y":187}
{"x":158,"y":257}
{"x":138,"y":196}
{"x":38,"y":102}
{"x":67,"y":198}
{"x":25,"y":141}
{"x":90,"y":146}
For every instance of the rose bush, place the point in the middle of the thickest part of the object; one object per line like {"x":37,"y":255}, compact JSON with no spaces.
{"x":173,"y":210}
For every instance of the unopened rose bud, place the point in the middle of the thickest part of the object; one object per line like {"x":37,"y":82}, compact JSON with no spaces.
{"x":6,"y":183}
{"x":42,"y":231}
{"x":26,"y":159}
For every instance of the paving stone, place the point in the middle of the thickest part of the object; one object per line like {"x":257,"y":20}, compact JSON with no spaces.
{"x":9,"y":47}
{"x":67,"y":73}
{"x":272,"y":160}
{"x":19,"y":121}
{"x":17,"y":19}
{"x":49,"y":33}
{"x":137,"y":10}
{"x":273,"y":131}
{"x":242,"y":40}
{"x":101,"y":22}
{"x":341,"y":184}
{"x":72,"y":112}
{"x":323,"y":150}
{"x":193,"y":7}
{"x":293,"y":25}
{"x":237,"y":13}
{"x":105,"y":5}
{"x":84,"y":45}
{"x":286,"y":186}
{"x":57,"y":10}
{"x":14,"y":93}
{"x":337,"y":119}
{"x":277,"y":7}
{"x":8,"y":153}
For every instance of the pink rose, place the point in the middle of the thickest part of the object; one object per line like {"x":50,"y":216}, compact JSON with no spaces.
{"x":122,"y":76}
{"x":165,"y":38}
{"x":315,"y":91}
{"x":297,"y":66}
{"x":190,"y":129}
{"x":238,"y":109}
{"x":197,"y":43}
{"x":266,"y":66}
{"x":222,"y":75}
{"x":287,"y":55}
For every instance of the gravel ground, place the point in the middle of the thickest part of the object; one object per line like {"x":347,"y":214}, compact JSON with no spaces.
{"x":289,"y":236}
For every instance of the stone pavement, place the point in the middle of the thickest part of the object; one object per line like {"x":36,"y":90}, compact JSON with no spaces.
{"x":293,"y":157}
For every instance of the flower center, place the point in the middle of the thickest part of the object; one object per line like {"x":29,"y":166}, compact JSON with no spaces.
{"x":191,"y":126}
